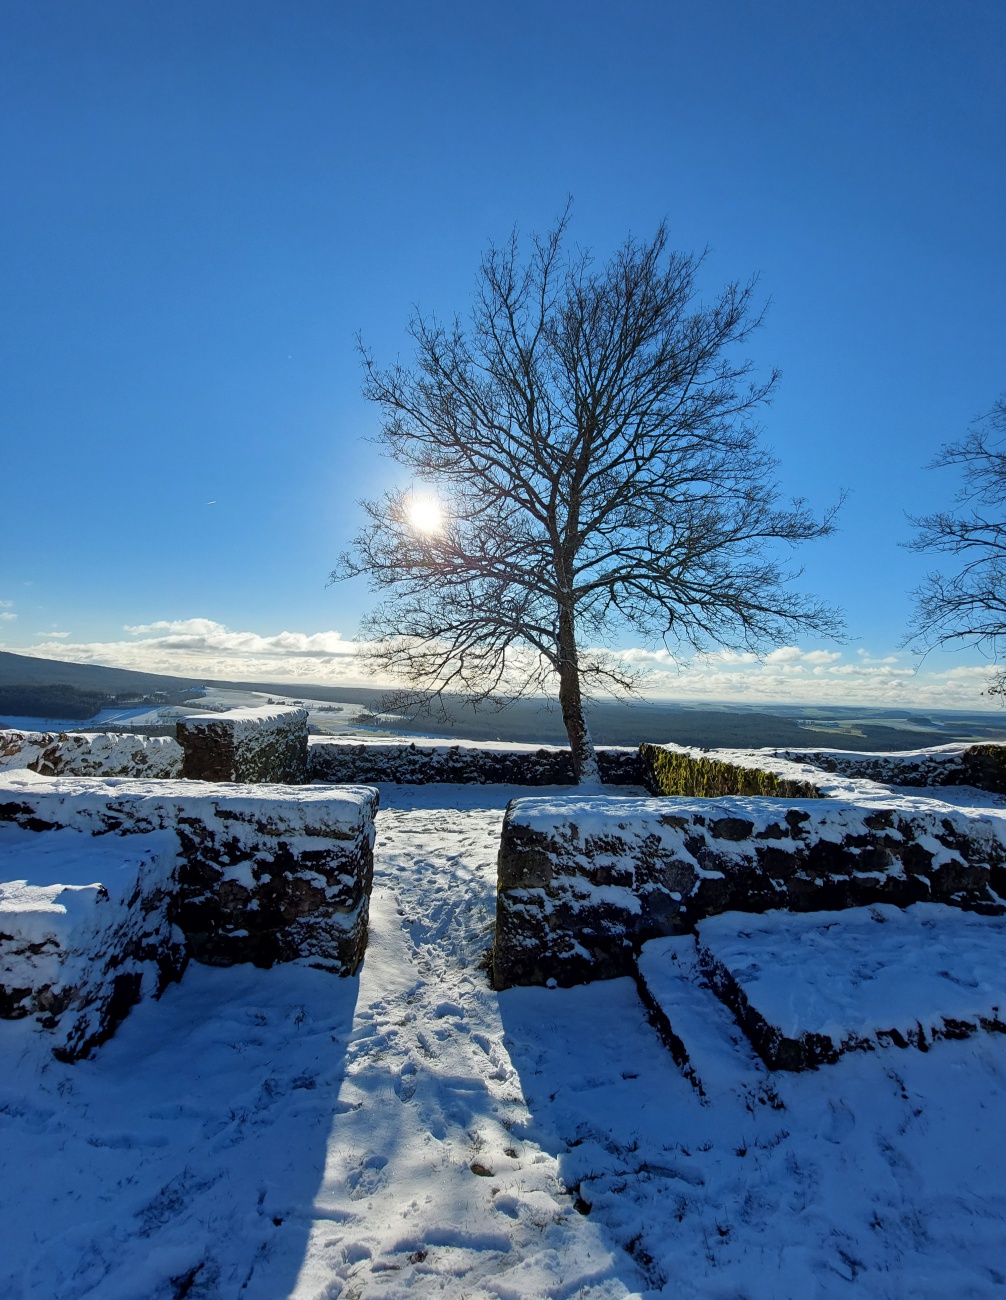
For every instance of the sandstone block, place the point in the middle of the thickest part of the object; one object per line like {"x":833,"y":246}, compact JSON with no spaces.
{"x":245,"y":745}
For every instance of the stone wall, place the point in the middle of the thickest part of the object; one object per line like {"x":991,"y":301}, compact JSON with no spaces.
{"x":77,"y":753}
{"x":79,"y":955}
{"x":827,"y":773}
{"x":267,"y":744}
{"x":983,"y":766}
{"x":265,"y":874}
{"x":411,"y":764}
{"x":583,"y":882}
{"x":675,"y":770}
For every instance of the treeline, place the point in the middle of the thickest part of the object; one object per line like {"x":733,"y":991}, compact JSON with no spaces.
{"x":57,"y":701}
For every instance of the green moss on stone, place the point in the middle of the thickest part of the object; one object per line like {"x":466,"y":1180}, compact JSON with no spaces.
{"x":671,"y":773}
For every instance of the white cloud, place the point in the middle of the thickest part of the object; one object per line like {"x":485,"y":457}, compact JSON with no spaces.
{"x":7,"y":616}
{"x":201,"y":647}
{"x":786,"y":654}
{"x":791,"y":675}
{"x":792,"y":654}
{"x":6,"y":604}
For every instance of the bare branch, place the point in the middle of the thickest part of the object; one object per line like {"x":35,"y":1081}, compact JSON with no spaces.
{"x":590,"y":435}
{"x":967,"y":608}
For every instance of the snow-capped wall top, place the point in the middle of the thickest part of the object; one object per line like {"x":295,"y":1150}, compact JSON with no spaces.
{"x":847,"y":975}
{"x":242,"y":721}
{"x":91,"y":754}
{"x":440,"y":745}
{"x":833,"y":784}
{"x":826,"y":818}
{"x":106,"y":804}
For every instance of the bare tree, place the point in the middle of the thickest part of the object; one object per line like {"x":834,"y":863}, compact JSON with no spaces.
{"x":587,"y":443}
{"x":969,"y":606}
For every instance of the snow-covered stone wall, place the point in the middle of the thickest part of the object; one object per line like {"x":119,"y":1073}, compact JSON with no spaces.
{"x":983,"y":766}
{"x":267,"y":744}
{"x":807,"y":989}
{"x":85,"y":930}
{"x":266,"y":874}
{"x":468,"y":763}
{"x":584,"y":881}
{"x":832,"y":773}
{"x":91,"y":754}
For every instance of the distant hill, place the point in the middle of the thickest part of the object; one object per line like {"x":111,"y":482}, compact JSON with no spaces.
{"x":26,"y":670}
{"x":725,"y":725}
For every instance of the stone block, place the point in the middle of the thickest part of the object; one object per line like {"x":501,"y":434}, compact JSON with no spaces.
{"x":268,"y":744}
{"x":585,"y":881}
{"x":808,"y":988}
{"x":266,"y":873}
{"x":85,"y":930}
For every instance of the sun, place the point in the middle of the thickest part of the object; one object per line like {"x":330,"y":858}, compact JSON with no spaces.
{"x":425,"y":515}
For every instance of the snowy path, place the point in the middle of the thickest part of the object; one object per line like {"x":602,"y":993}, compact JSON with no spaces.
{"x":279,"y":1133}
{"x":429,"y":1180}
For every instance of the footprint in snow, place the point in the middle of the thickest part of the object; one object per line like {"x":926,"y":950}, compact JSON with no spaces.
{"x":407,"y":1081}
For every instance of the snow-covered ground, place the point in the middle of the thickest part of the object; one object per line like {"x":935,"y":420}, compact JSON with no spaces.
{"x":284,"y":1133}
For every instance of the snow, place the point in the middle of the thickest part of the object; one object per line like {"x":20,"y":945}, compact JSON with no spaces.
{"x":248,"y":719}
{"x":852,"y":975}
{"x":92,"y":804}
{"x":54,"y":905}
{"x":104,"y":717}
{"x":92,"y":754}
{"x":700,"y":1031}
{"x":34,"y":865}
{"x":437,"y":744}
{"x":285,"y":1133}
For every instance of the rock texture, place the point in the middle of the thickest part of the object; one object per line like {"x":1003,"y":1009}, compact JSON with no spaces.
{"x":245,"y":745}
{"x":675,"y":770}
{"x":91,"y":754}
{"x":583,"y":882}
{"x":982,"y":766}
{"x":825,"y":773}
{"x":266,"y":874}
{"x":79,"y":956}
{"x":411,"y":764}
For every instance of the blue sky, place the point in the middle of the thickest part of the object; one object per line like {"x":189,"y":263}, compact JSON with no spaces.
{"x":203,"y":204}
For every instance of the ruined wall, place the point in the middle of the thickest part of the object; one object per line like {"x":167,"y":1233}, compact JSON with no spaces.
{"x":411,"y":764}
{"x":983,"y":766}
{"x":584,"y":881}
{"x":265,"y":874}
{"x":267,"y":744}
{"x":78,"y":954}
{"x":77,"y":753}
{"x":672,"y":770}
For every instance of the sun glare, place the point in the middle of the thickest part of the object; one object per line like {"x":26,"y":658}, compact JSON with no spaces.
{"x":425,"y":515}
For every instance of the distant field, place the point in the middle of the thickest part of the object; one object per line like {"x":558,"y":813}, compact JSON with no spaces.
{"x":725,"y":726}
{"x":713,"y":725}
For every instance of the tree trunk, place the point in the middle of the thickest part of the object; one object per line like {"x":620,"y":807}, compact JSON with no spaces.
{"x":585,"y":767}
